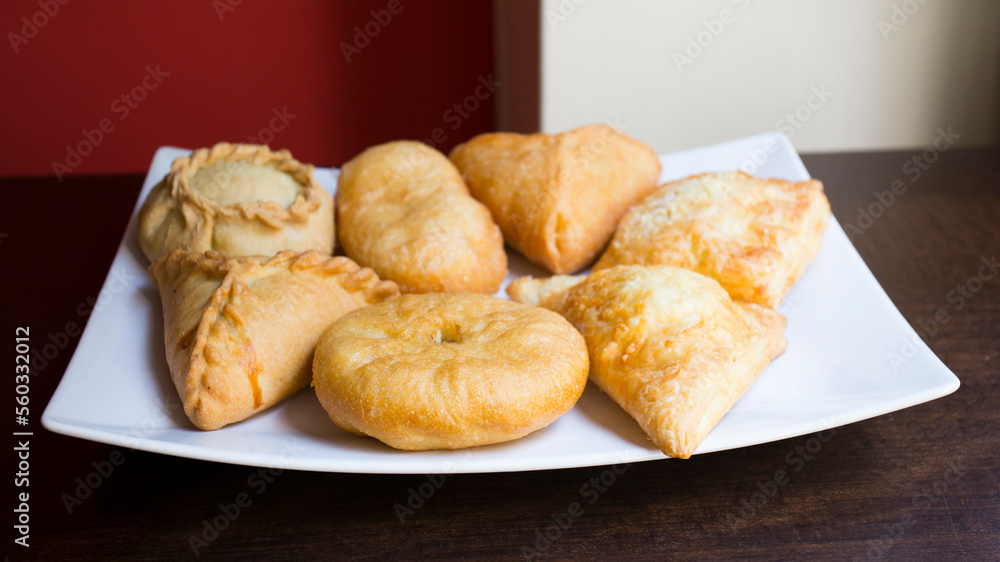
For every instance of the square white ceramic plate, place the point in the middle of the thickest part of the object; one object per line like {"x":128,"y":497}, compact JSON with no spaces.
{"x":841,"y":331}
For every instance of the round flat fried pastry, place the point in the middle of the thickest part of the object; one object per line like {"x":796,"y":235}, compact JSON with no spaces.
{"x":442,"y":371}
{"x":238,"y":200}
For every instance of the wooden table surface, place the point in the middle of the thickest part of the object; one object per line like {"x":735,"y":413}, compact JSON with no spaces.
{"x":919,"y":483}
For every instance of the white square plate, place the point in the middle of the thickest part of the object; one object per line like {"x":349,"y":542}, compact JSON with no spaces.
{"x":842,"y":330}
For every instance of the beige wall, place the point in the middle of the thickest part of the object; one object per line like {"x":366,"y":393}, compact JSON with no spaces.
{"x":833,"y":75}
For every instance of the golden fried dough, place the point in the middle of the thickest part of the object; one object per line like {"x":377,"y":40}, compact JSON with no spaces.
{"x":667,"y":344}
{"x":404,"y":211}
{"x":440,"y":371}
{"x":239,"y":200}
{"x":754,"y":236}
{"x":557,"y":198}
{"x":240,"y":332}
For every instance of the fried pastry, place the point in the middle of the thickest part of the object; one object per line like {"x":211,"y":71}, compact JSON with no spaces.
{"x":404,"y":211}
{"x":446,"y":371}
{"x":754,"y":236}
{"x":557,"y":198}
{"x":667,"y":344}
{"x":240,"y":332}
{"x":239,"y":200}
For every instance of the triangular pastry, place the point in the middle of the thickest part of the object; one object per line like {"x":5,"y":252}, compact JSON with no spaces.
{"x":667,"y":344}
{"x":754,"y":236}
{"x":240,"y":332}
{"x":557,"y":198}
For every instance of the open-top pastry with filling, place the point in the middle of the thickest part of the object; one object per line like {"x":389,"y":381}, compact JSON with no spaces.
{"x":239,"y":200}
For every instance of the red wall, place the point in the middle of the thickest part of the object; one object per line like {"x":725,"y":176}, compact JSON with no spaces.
{"x":228,"y":71}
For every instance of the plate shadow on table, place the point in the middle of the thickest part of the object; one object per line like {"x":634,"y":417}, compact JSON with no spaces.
{"x":132,"y":243}
{"x":600,"y":409}
{"x":304,"y":414}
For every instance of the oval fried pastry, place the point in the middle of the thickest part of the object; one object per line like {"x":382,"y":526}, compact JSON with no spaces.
{"x":558,"y":198}
{"x":404,"y":211}
{"x":442,"y":371}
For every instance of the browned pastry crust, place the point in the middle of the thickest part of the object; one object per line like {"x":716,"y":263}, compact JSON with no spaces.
{"x":557,"y":198}
{"x":404,"y":211}
{"x":754,"y":236}
{"x":446,"y":371}
{"x":240,"y":332}
{"x":667,"y":344}
{"x":237,"y":199}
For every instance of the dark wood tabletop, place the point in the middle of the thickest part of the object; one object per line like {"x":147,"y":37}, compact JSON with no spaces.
{"x":921,"y":483}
